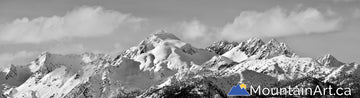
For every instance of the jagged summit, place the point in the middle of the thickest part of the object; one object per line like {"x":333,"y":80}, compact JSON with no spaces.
{"x":329,"y":60}
{"x":255,"y":48}
{"x":222,"y":46}
{"x":255,"y":41}
{"x":251,"y":46}
{"x":47,"y":62}
{"x":274,"y":48}
{"x":11,"y":72}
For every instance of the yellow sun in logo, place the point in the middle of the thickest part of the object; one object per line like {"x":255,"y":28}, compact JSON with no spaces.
{"x":243,"y":86}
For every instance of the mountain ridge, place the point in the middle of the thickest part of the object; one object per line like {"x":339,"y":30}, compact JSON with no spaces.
{"x":164,"y":63}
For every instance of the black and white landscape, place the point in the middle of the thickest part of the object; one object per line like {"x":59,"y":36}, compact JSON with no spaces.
{"x":177,"y":49}
{"x":164,"y":66}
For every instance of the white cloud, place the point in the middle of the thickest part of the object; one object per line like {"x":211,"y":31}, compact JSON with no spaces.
{"x":21,"y":57}
{"x":81,"y":22}
{"x":193,"y":30}
{"x":356,"y":13}
{"x":118,"y":46}
{"x":277,"y":22}
{"x":68,"y":49}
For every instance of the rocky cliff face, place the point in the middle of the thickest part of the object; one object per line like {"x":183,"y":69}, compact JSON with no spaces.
{"x":164,"y":66}
{"x":222,"y":46}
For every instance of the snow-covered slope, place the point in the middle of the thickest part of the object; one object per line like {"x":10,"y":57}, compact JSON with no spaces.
{"x":165,"y":52}
{"x":13,"y":76}
{"x":164,"y":66}
{"x":50,"y":72}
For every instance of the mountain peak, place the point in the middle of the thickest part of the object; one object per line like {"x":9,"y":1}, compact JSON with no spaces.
{"x":44,"y":54}
{"x":329,"y":60}
{"x":251,"y":46}
{"x":11,"y":72}
{"x":222,"y":46}
{"x":255,"y":48}
{"x":329,"y":56}
{"x":255,"y":40}
{"x":274,"y":41}
{"x":163,"y":35}
{"x":149,"y":43}
{"x":48,"y":62}
{"x":274,"y":48}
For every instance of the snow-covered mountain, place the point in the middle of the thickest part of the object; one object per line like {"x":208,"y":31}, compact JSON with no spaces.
{"x":164,"y":66}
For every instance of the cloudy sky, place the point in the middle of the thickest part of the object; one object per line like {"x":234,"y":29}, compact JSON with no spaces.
{"x":311,"y":28}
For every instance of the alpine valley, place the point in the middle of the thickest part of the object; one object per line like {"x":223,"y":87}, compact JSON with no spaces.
{"x":164,"y":66}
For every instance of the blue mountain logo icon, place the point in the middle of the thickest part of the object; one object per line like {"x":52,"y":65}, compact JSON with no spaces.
{"x":238,"y":90}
